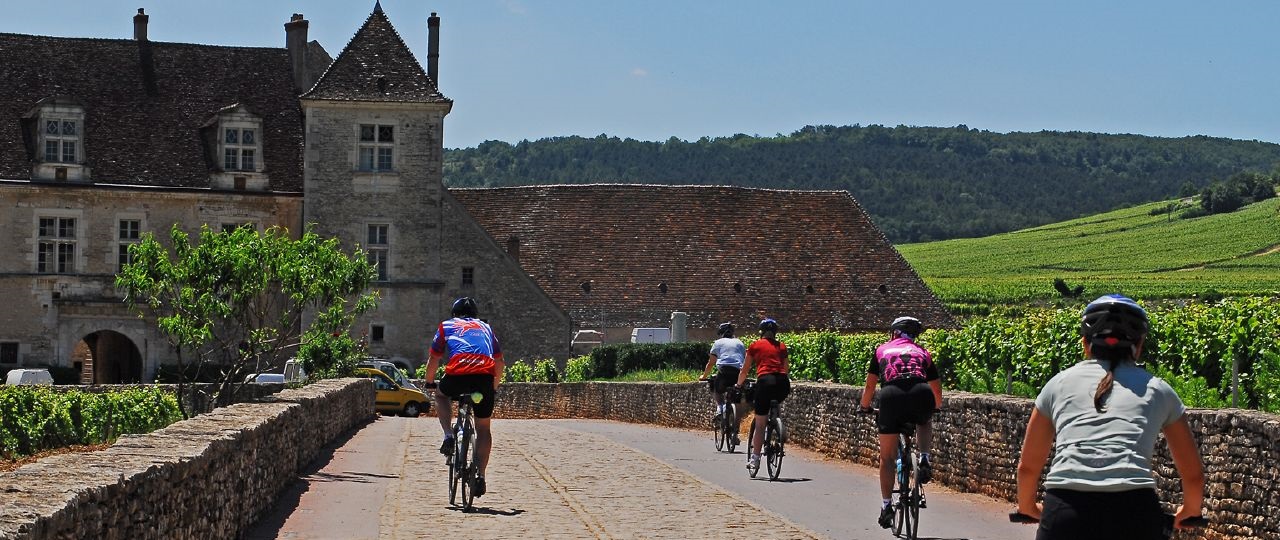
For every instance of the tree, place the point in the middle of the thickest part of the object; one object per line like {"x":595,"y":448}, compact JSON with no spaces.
{"x":234,"y":301}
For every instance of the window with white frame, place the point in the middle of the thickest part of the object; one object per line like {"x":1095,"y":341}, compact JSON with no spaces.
{"x":377,"y":145}
{"x":377,"y":248}
{"x":128,"y":233}
{"x":61,"y":137}
{"x":239,"y":148}
{"x":56,"y":251}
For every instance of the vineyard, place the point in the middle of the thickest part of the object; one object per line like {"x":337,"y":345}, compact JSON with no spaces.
{"x":1150,"y":253}
{"x":37,"y":418}
{"x":1194,"y":347}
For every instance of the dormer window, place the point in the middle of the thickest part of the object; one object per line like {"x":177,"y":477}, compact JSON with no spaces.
{"x":61,"y":139}
{"x":55,"y":129}
{"x":239,"y":149}
{"x":233,"y":142}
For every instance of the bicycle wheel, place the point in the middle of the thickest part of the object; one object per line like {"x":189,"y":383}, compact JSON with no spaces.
{"x":774,"y":448}
{"x":467,"y":471}
{"x":717,"y":430}
{"x":459,"y":464}
{"x":751,"y":437}
{"x":913,"y":512}
{"x":729,"y":426}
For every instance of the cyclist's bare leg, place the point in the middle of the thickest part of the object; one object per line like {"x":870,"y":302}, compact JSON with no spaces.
{"x":484,"y":441}
{"x":924,"y":436}
{"x":888,"y":455}
{"x":757,"y":442}
{"x":444,"y":411}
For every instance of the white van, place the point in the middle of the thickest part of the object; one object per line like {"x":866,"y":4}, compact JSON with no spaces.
{"x":293,"y":371}
{"x":29,"y":376}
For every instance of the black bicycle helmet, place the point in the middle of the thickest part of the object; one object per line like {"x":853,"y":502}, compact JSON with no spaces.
{"x":1114,"y":320}
{"x":465,"y":307}
{"x":768,"y":325}
{"x":725,"y":330}
{"x":907,"y":325}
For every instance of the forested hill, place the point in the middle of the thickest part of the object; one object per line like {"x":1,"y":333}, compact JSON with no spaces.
{"x":918,"y":183}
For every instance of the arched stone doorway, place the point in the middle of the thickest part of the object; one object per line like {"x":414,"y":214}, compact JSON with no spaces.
{"x":107,"y":357}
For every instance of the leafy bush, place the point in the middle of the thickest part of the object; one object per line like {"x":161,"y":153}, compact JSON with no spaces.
{"x":36,"y":418}
{"x":330,"y":355}
{"x":518,"y":372}
{"x":577,"y":369}
{"x":545,"y":371}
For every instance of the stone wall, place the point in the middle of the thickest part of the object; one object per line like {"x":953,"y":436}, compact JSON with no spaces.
{"x":977,"y":439}
{"x":208,"y":477}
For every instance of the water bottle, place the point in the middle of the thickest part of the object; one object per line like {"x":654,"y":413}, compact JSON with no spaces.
{"x":898,"y":465}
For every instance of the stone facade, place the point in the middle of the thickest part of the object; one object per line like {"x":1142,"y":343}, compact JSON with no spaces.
{"x":212,"y":476}
{"x":978,"y":439}
{"x":49,"y":315}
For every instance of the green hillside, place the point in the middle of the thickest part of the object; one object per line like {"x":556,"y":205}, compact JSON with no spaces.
{"x":1138,"y":251}
{"x":918,"y":183}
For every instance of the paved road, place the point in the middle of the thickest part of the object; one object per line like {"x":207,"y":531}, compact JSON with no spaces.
{"x":597,"y":479}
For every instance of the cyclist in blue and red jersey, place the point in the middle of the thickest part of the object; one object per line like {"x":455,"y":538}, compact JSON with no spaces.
{"x":769,"y":356}
{"x":474,"y":364}
{"x":910,"y":390}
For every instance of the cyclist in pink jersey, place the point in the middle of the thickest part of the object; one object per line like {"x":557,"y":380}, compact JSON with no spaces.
{"x":910,"y":390}
{"x":474,"y":364}
{"x":772,"y":383}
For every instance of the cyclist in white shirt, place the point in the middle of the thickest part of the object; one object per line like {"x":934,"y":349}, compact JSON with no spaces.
{"x":727,"y":355}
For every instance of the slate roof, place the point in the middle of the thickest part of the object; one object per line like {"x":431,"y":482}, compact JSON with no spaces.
{"x":145,"y":103}
{"x":811,"y":259}
{"x":376,"y":66}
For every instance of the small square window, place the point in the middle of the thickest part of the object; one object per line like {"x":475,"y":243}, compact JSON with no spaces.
{"x":378,"y":235}
{"x":468,"y":276}
{"x":376,"y":333}
{"x":366,"y":133}
{"x":130,"y":229}
{"x":232,"y":137}
{"x":247,"y":137}
{"x":8,"y":353}
{"x":385,"y":133}
{"x":51,"y":127}
{"x":68,"y":128}
{"x":66,"y":228}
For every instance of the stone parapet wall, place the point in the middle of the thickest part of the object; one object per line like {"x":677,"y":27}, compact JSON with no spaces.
{"x":978,"y":439}
{"x":211,"y":476}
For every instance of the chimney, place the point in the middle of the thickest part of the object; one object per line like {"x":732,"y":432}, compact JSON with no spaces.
{"x":433,"y":49}
{"x":140,"y":26}
{"x":295,"y":40}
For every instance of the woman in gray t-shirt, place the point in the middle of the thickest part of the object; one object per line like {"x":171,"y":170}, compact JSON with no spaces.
{"x":1101,"y":418}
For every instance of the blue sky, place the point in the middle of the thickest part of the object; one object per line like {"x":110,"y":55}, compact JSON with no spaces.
{"x":523,"y":69}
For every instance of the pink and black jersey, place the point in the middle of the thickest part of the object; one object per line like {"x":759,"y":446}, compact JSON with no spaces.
{"x":469,"y":345}
{"x":901,"y":359}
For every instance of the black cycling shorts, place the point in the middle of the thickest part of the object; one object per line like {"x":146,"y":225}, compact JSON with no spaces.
{"x":725,"y":378}
{"x":456,"y":385}
{"x":771,"y":387}
{"x":1122,"y":515}
{"x":909,"y":402}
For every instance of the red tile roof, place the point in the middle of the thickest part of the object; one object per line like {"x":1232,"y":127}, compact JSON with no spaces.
{"x":810,"y":259}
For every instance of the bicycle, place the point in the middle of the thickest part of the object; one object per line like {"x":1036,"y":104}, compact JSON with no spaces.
{"x":462,"y":463}
{"x":775,"y":438}
{"x":724,"y":427}
{"x":1194,"y":522}
{"x":910,"y":492}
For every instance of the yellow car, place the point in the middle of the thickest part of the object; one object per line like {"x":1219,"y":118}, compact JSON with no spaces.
{"x":392,"y":398}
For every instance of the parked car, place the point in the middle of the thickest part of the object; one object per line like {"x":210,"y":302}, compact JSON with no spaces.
{"x":390,"y":370}
{"x":393,"y":398}
{"x":265,"y":378}
{"x":28,"y":376}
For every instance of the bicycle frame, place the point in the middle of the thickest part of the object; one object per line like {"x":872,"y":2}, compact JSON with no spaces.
{"x":910,"y":493}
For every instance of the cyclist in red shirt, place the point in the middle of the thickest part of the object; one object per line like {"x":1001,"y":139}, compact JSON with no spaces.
{"x":474,"y":364}
{"x":772,"y":383}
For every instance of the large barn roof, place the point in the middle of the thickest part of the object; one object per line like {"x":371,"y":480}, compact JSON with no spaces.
{"x":632,"y":254}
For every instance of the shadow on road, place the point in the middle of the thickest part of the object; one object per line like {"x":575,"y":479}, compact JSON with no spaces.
{"x":270,"y":524}
{"x":489,"y":511}
{"x":782,"y":480}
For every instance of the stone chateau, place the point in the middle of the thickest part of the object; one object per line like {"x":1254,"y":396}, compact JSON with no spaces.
{"x":103,"y":140}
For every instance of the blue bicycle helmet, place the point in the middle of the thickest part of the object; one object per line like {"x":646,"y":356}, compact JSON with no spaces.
{"x":768,"y":325}
{"x":465,"y":307}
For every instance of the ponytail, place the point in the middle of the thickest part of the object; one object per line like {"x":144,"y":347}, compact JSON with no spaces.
{"x":1112,"y":356}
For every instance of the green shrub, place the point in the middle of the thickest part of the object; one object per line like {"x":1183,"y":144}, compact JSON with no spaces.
{"x":545,"y":371}
{"x":36,"y":418}
{"x":577,"y":369}
{"x":518,"y":372}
